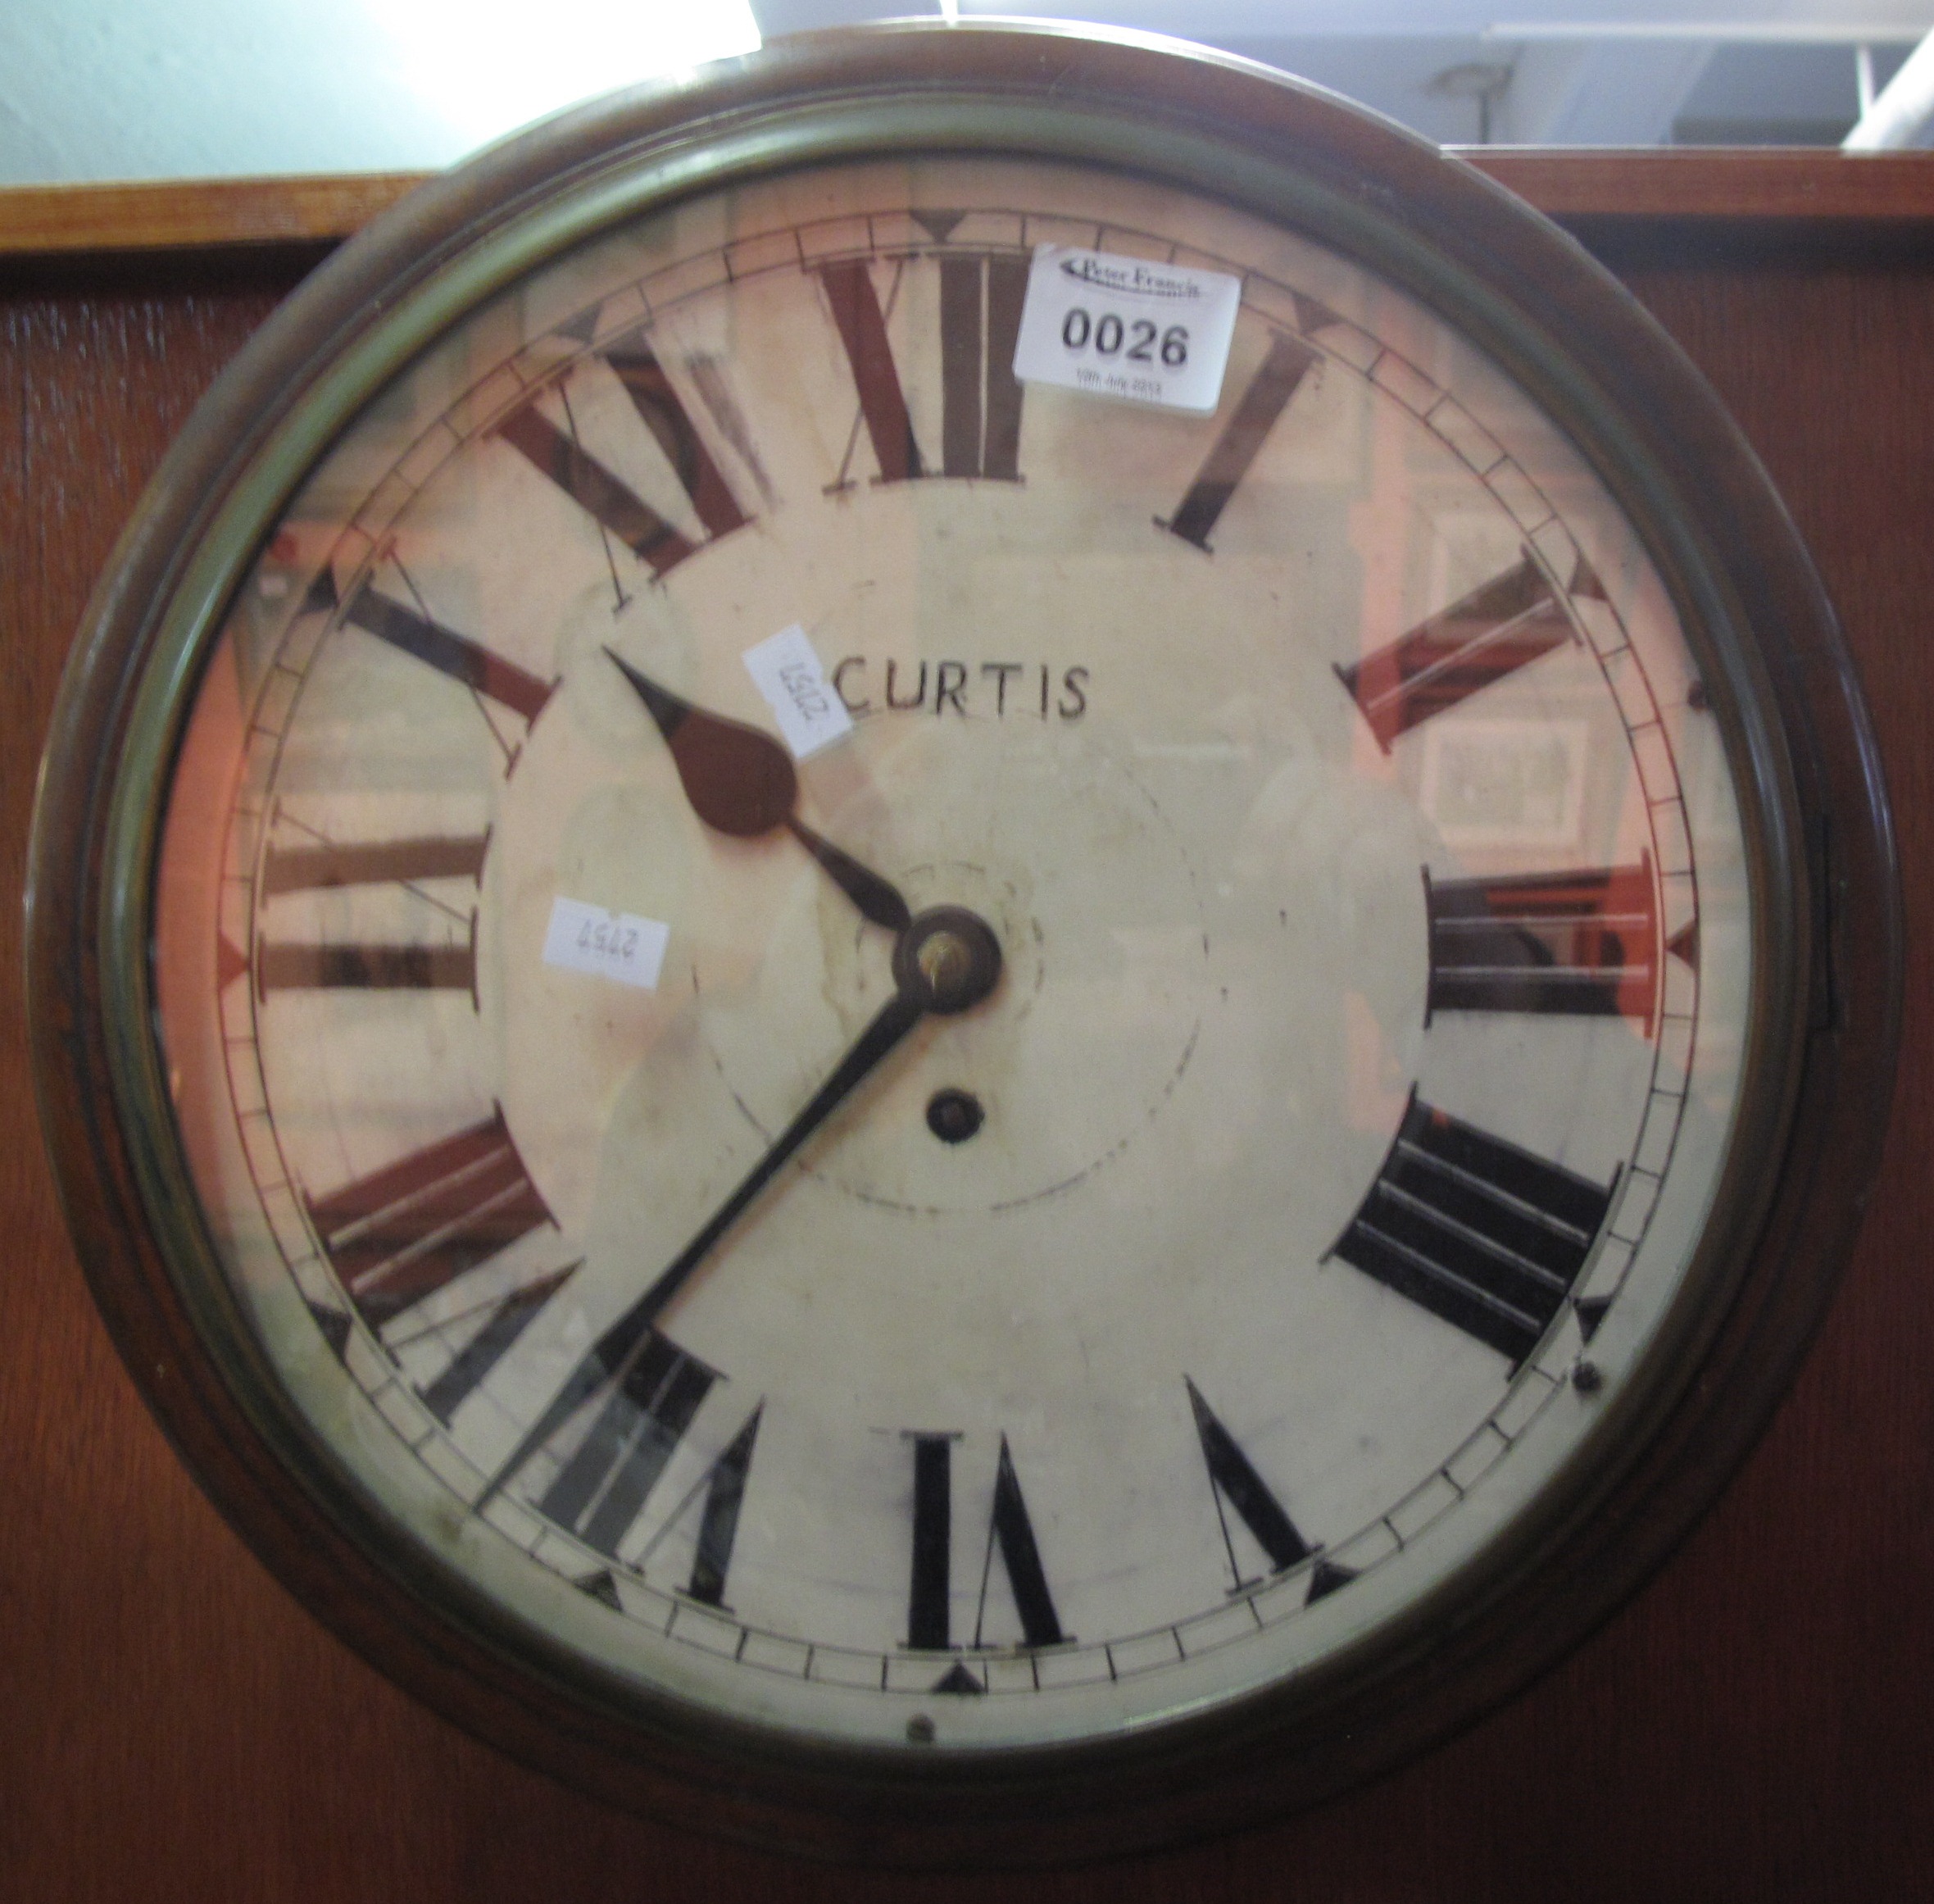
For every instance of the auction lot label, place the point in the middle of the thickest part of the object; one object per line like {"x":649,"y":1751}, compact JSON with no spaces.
{"x":1128,"y":328}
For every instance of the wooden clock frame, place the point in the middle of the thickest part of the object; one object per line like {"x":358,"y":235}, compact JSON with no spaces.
{"x":1827,"y":958}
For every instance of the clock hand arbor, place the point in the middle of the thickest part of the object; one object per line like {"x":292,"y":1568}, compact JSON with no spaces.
{"x":742,"y":783}
{"x":945,"y":960}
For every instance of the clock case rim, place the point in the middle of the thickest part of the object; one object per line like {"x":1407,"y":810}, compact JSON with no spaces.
{"x":1827,"y":968}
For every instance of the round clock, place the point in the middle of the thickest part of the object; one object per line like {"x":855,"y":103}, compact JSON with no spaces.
{"x":974,"y":947}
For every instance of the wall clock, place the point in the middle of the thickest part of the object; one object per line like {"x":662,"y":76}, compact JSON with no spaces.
{"x":942,"y":1111}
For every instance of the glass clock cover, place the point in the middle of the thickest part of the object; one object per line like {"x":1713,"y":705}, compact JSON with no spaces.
{"x":923,"y":1066}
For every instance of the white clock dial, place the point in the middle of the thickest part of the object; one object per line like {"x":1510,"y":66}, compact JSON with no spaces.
{"x":1092,"y":1193}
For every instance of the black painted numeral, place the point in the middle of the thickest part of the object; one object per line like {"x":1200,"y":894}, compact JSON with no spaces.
{"x":558,"y":456}
{"x":1009,"y":1530}
{"x":931,"y":1581}
{"x":404,"y":1232}
{"x":980,"y":313}
{"x":1235,"y":1482}
{"x":463,"y":660}
{"x":1477,"y":1231}
{"x":326,"y":866}
{"x":1579,"y":944}
{"x":472,"y":1365}
{"x":718,"y":1525}
{"x":399,"y":861}
{"x":1010,"y":1533}
{"x":382,"y":968}
{"x":601,"y":1489}
{"x":1268,"y":392}
{"x":1492,"y":632}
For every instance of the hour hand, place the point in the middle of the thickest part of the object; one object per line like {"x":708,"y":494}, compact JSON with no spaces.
{"x":742,"y":783}
{"x":878,"y":899}
{"x":739,"y":781}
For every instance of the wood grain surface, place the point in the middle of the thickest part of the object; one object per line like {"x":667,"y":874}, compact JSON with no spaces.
{"x":1756,"y":1725}
{"x":168,"y":214}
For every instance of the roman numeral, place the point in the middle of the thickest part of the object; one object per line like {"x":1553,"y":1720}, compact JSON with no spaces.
{"x":436,"y":968}
{"x":718,"y":1526}
{"x":559,"y":457}
{"x":1234,"y":1481}
{"x":1580,"y":943}
{"x":455,"y":654}
{"x":980,"y":315}
{"x":932,"y":1580}
{"x":1269,"y":390}
{"x":1485,"y":1235}
{"x":407,"y":862}
{"x":402,"y":1233}
{"x":980,"y":429}
{"x":489,"y":1347}
{"x":601,"y":1490}
{"x":1494,"y":630}
{"x":724,"y":1485}
{"x":1009,"y":1531}
{"x":399,"y":861}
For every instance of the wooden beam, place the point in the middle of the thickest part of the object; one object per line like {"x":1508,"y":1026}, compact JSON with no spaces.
{"x":189,"y":215}
{"x":1748,"y":186}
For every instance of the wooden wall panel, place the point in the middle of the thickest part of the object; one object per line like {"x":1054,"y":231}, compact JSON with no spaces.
{"x":1756,"y":1725}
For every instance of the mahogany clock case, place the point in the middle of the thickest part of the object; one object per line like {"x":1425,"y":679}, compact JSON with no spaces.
{"x":1678,"y":467}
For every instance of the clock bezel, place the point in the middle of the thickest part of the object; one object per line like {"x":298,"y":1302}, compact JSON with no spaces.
{"x":1817,"y":1082}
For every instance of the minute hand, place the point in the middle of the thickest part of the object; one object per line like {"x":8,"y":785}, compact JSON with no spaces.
{"x":948,"y":960}
{"x":619,"y":1345}
{"x":742,"y":783}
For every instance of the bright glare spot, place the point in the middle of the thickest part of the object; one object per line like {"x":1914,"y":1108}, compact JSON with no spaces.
{"x":486,"y":67}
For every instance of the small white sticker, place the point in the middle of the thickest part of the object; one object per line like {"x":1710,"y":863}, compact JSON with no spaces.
{"x":609,"y":945}
{"x":807,"y":707}
{"x":1128,"y":328}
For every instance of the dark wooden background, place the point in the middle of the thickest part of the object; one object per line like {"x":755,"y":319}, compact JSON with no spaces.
{"x":1759,"y":1724}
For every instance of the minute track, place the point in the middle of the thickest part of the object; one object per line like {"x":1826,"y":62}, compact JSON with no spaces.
{"x":867,"y":1283}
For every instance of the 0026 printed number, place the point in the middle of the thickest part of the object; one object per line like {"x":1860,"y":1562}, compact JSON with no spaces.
{"x":1107,"y":334}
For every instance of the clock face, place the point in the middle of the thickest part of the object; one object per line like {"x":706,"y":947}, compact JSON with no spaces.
{"x":939,"y":1062}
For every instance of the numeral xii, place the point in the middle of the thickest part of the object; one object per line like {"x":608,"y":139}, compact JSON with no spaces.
{"x":980,"y":315}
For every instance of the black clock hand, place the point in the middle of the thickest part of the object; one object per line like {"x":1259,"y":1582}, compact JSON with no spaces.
{"x":620,"y":1344}
{"x":878,"y":899}
{"x":742,"y":782}
{"x":948,"y":960}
